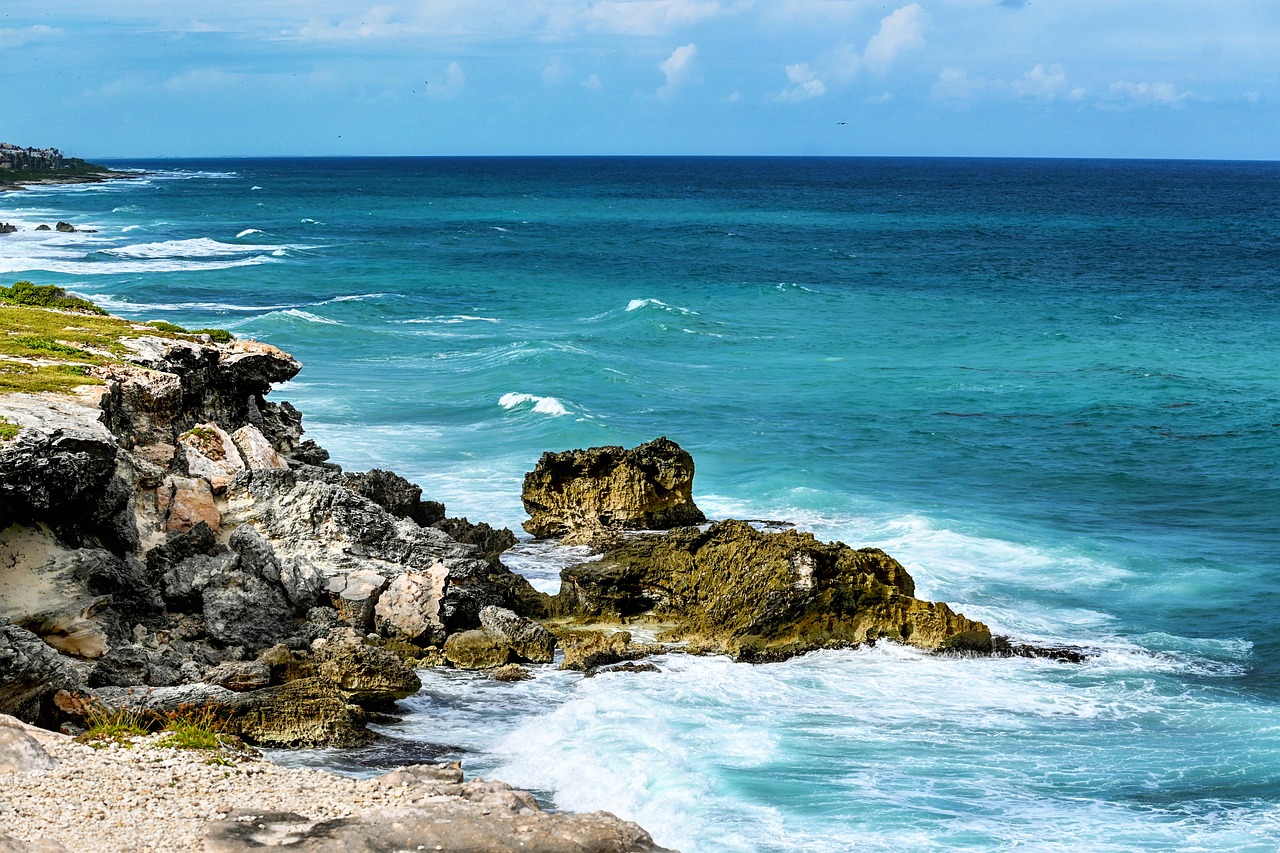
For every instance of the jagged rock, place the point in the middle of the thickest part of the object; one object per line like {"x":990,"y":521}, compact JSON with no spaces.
{"x":630,"y":666}
{"x":56,"y":471}
{"x":339,"y":533}
{"x":133,"y":666}
{"x":185,"y":502}
{"x":489,"y":541}
{"x":241,"y":675}
{"x":300,"y":581}
{"x":409,"y":609}
{"x":392,"y":492}
{"x":764,"y":596}
{"x":528,"y":640}
{"x":30,"y":672}
{"x":503,"y":637}
{"x":6,"y":228}
{"x":211,"y":454}
{"x":243,"y":609}
{"x":586,"y":650}
{"x":365,"y":674}
{"x":511,"y":672}
{"x":257,"y":451}
{"x":355,"y":596}
{"x":649,"y":487}
{"x":281,"y":423}
{"x":65,"y":227}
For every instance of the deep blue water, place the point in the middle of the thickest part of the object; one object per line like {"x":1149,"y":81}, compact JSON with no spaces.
{"x":1050,"y":388}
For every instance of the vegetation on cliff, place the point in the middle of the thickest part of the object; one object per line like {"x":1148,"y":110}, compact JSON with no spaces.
{"x":51,"y":341}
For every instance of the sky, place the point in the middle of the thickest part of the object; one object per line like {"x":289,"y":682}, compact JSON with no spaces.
{"x":1038,"y":78}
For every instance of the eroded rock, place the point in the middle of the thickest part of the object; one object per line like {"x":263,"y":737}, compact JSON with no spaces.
{"x":584,"y":492}
{"x":764,"y":596}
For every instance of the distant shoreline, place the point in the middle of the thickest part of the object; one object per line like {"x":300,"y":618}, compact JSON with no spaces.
{"x":27,"y":183}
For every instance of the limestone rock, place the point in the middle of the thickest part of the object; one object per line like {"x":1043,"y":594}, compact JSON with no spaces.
{"x":257,"y":451}
{"x":409,"y":609}
{"x":649,"y":487}
{"x":476,"y":649}
{"x":355,"y":596}
{"x":305,"y":712}
{"x":186,"y":502}
{"x":211,"y":454}
{"x":489,"y":541}
{"x":21,"y":753}
{"x":30,"y":672}
{"x":511,"y":672}
{"x":366,"y":674}
{"x":58,"y":470}
{"x":436,"y":822}
{"x":527,"y":640}
{"x":764,"y":596}
{"x":586,"y":650}
{"x":240,"y":675}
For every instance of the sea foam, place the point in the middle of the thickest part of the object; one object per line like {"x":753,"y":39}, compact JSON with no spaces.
{"x":542,"y":405}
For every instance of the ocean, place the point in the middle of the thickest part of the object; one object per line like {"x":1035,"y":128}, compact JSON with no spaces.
{"x":1050,"y":388}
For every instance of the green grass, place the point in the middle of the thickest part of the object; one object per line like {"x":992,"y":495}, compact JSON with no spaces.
{"x":46,"y":296}
{"x":49,"y":341}
{"x":8,"y":429}
{"x":192,"y":729}
{"x":118,"y":727}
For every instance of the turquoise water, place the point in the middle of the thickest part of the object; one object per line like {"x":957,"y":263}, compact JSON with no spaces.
{"x":1049,"y":387}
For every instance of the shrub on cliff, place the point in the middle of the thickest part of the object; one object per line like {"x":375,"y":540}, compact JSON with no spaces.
{"x":46,"y":296}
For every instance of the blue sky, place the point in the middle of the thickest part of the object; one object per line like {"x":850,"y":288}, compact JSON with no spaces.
{"x":1092,"y":78}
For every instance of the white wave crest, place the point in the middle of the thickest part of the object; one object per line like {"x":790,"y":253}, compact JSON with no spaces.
{"x":637,"y":304}
{"x":355,"y":297}
{"x":246,"y":232}
{"x":309,"y":317}
{"x":26,"y":264}
{"x":197,"y":247}
{"x":541,"y":405}
{"x":454,"y":319}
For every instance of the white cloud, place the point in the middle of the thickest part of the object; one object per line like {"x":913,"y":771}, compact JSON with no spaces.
{"x":955,"y":85}
{"x":678,"y":68}
{"x":14,"y":37}
{"x":1147,"y":94}
{"x":806,"y":85}
{"x":899,"y":32}
{"x":592,"y":83}
{"x":199,"y":79}
{"x":842,"y":62}
{"x":556,"y":73}
{"x":648,"y":17}
{"x":449,"y":84}
{"x":1046,"y":85}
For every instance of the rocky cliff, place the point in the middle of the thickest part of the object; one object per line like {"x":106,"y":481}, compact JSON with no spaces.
{"x":168,"y":538}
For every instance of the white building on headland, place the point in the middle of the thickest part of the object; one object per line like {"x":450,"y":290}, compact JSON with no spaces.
{"x":14,"y":157}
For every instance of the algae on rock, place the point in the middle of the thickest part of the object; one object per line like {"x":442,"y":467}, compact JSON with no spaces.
{"x":763,"y":596}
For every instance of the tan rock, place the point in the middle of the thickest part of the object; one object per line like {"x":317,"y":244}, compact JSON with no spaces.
{"x":409,"y":609}
{"x":211,"y":453}
{"x":21,"y":753}
{"x":189,"y":502}
{"x":583,"y":493}
{"x":257,"y":451}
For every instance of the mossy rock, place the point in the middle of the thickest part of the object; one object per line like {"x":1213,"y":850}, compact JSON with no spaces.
{"x":763,"y":595}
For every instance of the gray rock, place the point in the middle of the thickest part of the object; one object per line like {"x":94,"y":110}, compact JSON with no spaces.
{"x":245,"y":610}
{"x":240,"y":676}
{"x":21,"y":753}
{"x":488,"y":824}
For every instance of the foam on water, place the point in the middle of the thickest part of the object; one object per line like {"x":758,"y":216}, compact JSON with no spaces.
{"x":246,"y":232}
{"x":541,"y":405}
{"x":199,"y":247}
{"x":637,"y":304}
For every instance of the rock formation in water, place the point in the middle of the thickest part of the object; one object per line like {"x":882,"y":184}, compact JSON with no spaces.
{"x":167,"y":538}
{"x":581,"y":494}
{"x":762,"y":595}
